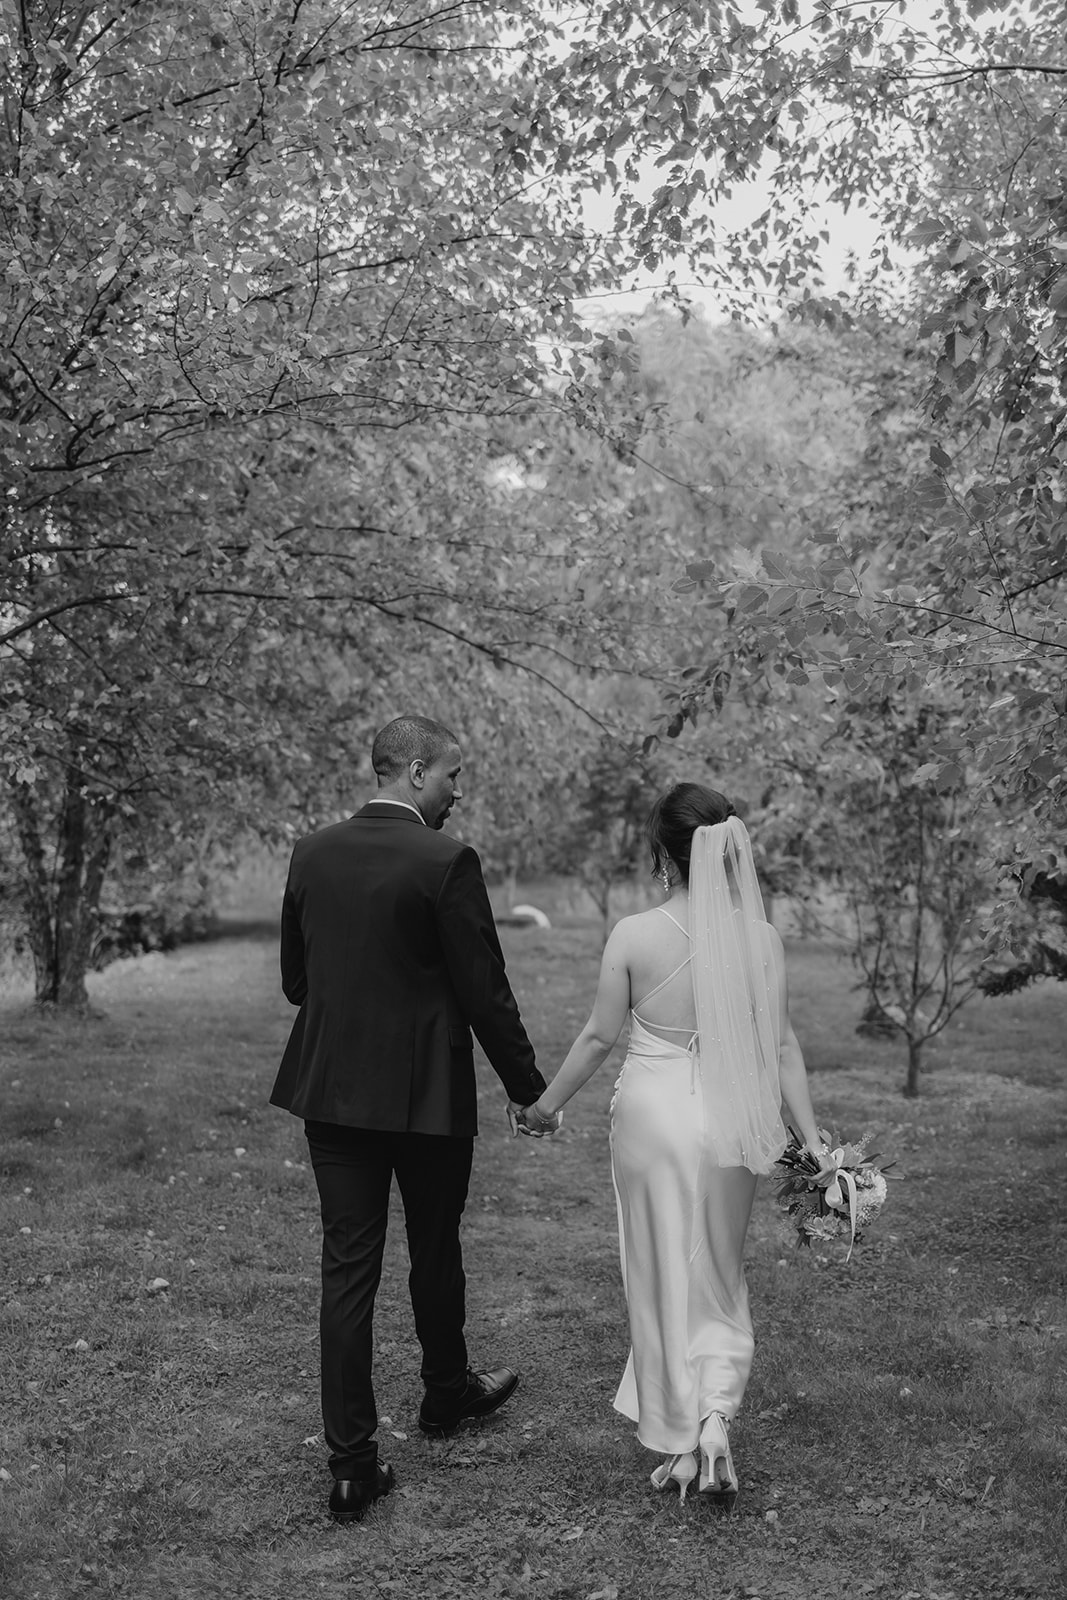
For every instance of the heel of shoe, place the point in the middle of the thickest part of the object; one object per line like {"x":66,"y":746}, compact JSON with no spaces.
{"x":718,"y":1480}
{"x":676,"y":1469}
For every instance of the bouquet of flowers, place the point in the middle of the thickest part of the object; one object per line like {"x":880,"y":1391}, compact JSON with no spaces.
{"x":830,"y":1192}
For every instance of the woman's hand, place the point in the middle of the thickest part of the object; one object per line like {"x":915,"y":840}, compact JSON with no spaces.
{"x":535,"y":1123}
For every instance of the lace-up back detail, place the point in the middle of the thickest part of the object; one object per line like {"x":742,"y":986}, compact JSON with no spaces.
{"x":665,"y":1027}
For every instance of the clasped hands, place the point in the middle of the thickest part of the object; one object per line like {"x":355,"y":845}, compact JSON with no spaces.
{"x":528,"y":1120}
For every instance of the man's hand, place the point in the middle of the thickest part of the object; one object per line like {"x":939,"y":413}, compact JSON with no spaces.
{"x":534,"y":1124}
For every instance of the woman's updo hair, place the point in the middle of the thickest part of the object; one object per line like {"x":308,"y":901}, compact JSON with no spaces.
{"x":675,"y":817}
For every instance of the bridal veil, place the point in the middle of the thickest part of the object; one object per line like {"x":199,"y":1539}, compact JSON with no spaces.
{"x":736,"y":983}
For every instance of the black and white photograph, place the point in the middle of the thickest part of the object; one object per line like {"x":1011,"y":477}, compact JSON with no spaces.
{"x":533,"y":800}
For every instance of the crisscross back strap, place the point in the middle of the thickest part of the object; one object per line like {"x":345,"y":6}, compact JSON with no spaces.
{"x":665,"y":981}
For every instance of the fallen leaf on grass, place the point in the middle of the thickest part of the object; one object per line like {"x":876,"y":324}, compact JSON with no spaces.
{"x":575,"y":1533}
{"x":872,"y":1505}
{"x":610,"y":1593}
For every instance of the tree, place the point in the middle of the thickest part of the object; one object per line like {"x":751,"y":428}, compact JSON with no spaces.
{"x":908,"y":863}
{"x":948,"y":134}
{"x":280,"y":282}
{"x":1036,"y":944}
{"x":604,"y":840}
{"x":247,"y":249}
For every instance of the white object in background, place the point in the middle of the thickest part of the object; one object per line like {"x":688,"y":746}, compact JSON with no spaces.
{"x":533,"y":914}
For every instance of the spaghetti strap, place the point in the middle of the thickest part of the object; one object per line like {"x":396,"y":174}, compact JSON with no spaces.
{"x":677,"y":924}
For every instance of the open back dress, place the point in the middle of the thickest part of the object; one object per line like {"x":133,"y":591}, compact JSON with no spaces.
{"x":682,"y":1223}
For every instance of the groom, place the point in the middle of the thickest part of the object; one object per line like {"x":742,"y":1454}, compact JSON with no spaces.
{"x":389,"y":948}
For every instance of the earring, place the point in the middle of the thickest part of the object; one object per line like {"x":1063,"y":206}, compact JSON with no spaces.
{"x":665,"y":879}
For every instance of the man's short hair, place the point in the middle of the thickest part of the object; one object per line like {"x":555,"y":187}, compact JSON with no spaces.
{"x":408,"y":739}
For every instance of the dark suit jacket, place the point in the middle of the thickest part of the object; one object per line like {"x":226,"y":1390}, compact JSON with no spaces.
{"x":390,"y":950}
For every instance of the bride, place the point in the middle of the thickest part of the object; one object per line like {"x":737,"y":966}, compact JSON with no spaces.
{"x":695,"y":1117}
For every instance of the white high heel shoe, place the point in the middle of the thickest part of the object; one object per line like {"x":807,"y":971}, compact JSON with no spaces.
{"x":676,"y":1469}
{"x":718,"y":1480}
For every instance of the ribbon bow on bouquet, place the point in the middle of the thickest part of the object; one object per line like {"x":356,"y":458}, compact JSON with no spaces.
{"x":833,"y":1172}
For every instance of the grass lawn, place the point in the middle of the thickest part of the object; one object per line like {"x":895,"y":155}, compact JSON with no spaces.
{"x":904,"y":1433}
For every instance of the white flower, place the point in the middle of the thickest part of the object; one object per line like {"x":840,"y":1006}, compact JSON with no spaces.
{"x":871,"y":1197}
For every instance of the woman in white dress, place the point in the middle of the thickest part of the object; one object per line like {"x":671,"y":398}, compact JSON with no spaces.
{"x":695,"y":1117}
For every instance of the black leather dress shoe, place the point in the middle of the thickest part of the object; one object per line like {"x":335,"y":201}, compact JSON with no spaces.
{"x":352,"y":1498}
{"x":485,"y":1392}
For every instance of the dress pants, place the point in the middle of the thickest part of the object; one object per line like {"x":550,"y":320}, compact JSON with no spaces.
{"x":354,"y":1169}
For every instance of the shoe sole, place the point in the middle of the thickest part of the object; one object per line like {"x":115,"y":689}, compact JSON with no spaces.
{"x":442,"y":1430}
{"x":356,"y":1516}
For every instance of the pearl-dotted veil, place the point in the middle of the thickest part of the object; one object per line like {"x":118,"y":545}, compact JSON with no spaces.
{"x":736,"y":984}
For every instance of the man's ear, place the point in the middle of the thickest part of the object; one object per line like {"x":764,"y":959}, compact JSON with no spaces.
{"x":417,"y":774}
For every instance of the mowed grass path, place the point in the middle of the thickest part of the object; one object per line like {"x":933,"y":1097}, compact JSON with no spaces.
{"x":904,"y":1433}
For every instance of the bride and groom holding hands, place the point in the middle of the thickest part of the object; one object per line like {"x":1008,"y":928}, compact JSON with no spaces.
{"x":389,"y":948}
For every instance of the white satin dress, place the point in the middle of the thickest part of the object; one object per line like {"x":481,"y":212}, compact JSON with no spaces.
{"x":682,"y":1225}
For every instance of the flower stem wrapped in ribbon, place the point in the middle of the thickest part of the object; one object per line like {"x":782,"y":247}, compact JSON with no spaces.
{"x":830,"y":1192}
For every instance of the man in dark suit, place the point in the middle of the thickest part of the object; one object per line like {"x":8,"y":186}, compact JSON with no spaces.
{"x":390,"y":950}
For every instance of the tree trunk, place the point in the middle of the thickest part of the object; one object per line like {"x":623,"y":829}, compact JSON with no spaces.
{"x":62,"y":906}
{"x":911,"y":1082}
{"x":35,"y":897}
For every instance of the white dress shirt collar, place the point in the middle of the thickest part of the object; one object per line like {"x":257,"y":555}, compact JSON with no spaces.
{"x":385,"y":800}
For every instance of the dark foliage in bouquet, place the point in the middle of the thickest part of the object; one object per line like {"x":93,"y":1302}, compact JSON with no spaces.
{"x":832,"y":1192}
